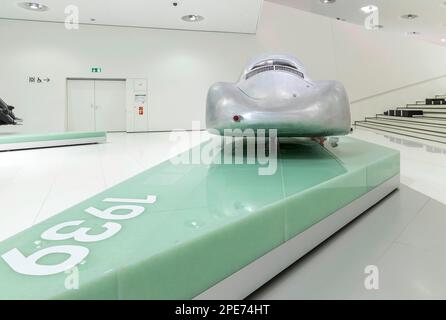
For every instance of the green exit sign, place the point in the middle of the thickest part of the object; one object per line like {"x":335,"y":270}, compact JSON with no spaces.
{"x":96,"y":70}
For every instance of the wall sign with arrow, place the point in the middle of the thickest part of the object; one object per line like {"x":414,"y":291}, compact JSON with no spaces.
{"x":34,"y":79}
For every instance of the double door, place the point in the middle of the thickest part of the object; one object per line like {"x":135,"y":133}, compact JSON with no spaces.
{"x":96,"y":105}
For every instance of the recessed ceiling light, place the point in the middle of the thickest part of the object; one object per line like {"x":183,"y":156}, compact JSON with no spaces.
{"x":192,"y":18}
{"x":33,"y":6}
{"x":443,"y":40}
{"x":369,"y":9}
{"x":328,"y":1}
{"x":409,"y":16}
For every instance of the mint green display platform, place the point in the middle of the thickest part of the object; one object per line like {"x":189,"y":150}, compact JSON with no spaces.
{"x":31,"y":141}
{"x":207,"y":223}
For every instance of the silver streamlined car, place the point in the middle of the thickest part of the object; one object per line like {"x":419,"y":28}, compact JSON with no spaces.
{"x":274,"y":92}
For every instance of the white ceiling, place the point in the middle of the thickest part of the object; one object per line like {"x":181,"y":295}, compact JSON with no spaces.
{"x":431,"y":23}
{"x":220,"y":15}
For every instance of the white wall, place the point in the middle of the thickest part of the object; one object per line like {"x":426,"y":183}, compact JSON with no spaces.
{"x":181,"y":65}
{"x":383,"y":70}
{"x":371,"y":106}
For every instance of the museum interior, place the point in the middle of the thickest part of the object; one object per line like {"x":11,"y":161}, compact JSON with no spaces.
{"x":223,"y":150}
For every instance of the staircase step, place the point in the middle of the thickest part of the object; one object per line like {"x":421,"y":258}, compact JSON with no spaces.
{"x":420,"y":120}
{"x":416,"y":127}
{"x":403,"y":132}
{"x":439,"y":117}
{"x":435,"y":115}
{"x":430,"y":109}
{"x":423,"y":106}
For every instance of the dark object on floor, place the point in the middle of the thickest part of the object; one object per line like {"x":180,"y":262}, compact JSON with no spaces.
{"x":404,"y":113}
{"x":7,"y":117}
{"x":436,"y":101}
{"x":411,"y":113}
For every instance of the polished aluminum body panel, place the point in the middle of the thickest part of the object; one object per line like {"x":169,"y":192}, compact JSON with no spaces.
{"x":274,"y":92}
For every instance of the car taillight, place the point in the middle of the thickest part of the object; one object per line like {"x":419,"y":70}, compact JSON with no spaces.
{"x":237,"y":118}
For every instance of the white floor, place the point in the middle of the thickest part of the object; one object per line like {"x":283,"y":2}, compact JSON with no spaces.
{"x":406,"y":237}
{"x":423,"y":163}
{"x":402,"y":237}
